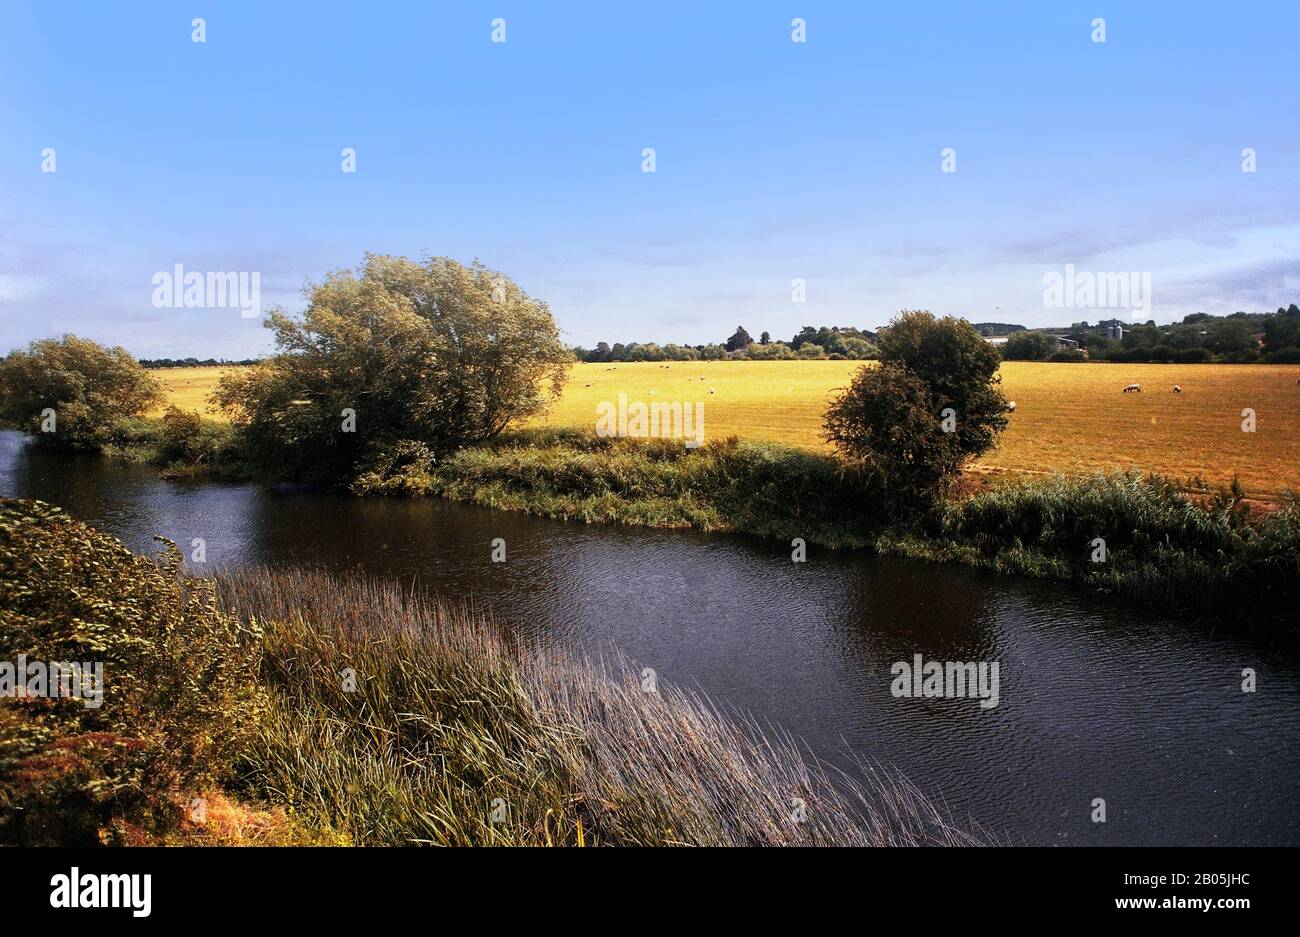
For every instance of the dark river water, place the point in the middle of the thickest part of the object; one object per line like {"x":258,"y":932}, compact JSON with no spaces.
{"x":1097,"y":699}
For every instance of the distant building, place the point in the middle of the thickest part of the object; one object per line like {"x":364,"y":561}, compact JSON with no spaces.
{"x":1112,"y":328}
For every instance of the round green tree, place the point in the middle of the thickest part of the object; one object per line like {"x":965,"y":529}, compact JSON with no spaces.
{"x":392,"y":353}
{"x":72,"y":392}
{"x":886,"y":421}
{"x":958,"y":367}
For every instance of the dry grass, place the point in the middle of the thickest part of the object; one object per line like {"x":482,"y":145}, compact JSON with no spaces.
{"x":454,"y":734}
{"x":188,"y":388}
{"x":1069,"y":417}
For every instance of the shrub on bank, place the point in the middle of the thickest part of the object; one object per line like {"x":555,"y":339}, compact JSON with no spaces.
{"x":356,"y":712}
{"x":1130,"y":533}
{"x":72,"y":392}
{"x":724,"y":485}
{"x":182,"y":442}
{"x":1203,"y":556}
{"x":177,"y":698}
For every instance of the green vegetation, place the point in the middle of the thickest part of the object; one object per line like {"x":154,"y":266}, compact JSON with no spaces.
{"x":932,"y":404}
{"x":960,"y":370}
{"x":839,"y":343}
{"x":395,"y":352}
{"x":1128,"y":533}
{"x":888,"y":421}
{"x":350,"y":711}
{"x":177,"y":705}
{"x":1029,"y":346}
{"x":758,"y":488}
{"x":182,"y":443}
{"x":1239,"y":338}
{"x":73,"y":392}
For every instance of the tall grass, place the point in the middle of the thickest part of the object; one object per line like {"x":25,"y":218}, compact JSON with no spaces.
{"x":1202,"y":556}
{"x":456,"y":734}
{"x":725,"y":485}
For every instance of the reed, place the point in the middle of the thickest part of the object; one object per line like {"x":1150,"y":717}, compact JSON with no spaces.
{"x":457,"y":734}
{"x":1202,"y":555}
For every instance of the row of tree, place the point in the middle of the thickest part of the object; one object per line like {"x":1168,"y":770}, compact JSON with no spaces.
{"x":831,"y":342}
{"x":1239,"y":338}
{"x":193,"y":362}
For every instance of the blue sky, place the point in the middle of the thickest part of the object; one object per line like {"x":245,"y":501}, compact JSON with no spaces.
{"x":775,"y":160}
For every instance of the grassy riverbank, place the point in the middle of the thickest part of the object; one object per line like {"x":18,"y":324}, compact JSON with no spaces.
{"x":1198,"y":554}
{"x":305,"y":708}
{"x":1189,"y":549}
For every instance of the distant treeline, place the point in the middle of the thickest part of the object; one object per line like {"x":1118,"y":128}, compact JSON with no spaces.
{"x":1239,"y":338}
{"x":193,"y":362}
{"x":830,"y":342}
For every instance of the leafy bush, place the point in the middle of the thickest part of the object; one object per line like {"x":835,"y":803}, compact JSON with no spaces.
{"x":434,"y":352}
{"x":1028,"y":346}
{"x":180,"y":698}
{"x":773,"y":351}
{"x":89,"y":388}
{"x":888,"y":421}
{"x":190,"y":444}
{"x":1196,"y":356}
{"x":891,"y":417}
{"x":958,"y":367}
{"x":398,"y":468}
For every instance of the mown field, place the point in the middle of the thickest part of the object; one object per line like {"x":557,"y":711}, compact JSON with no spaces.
{"x":188,"y":388}
{"x":1069,"y":417}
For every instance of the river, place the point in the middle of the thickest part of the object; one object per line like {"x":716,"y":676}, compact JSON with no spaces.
{"x":1097,"y":698}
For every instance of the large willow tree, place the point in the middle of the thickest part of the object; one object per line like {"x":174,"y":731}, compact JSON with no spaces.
{"x":392,"y":354}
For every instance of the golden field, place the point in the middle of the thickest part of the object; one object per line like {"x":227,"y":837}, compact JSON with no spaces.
{"x":188,"y":388}
{"x":1069,"y":417}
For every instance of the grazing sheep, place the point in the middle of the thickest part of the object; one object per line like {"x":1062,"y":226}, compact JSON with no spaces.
{"x":1135,"y":388}
{"x":588,"y":384}
{"x":1011,"y":407}
{"x":1177,"y":389}
{"x":710,"y":390}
